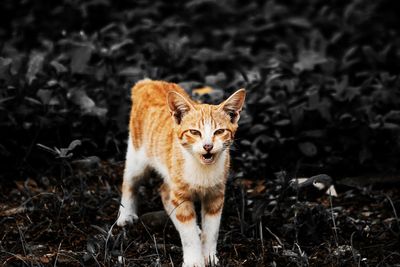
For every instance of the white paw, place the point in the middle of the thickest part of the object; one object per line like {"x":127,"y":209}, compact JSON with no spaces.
{"x":211,"y":259}
{"x":126,"y":218}
{"x":193,"y":264}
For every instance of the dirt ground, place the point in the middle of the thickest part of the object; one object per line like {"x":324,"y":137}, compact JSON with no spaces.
{"x":71,"y":222}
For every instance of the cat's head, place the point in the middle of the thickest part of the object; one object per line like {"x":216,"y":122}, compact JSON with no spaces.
{"x":206,"y":131}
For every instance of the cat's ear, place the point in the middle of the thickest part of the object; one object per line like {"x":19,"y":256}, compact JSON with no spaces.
{"x":234,"y":104}
{"x":178,"y":106}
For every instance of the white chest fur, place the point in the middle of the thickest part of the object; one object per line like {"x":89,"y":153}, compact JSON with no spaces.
{"x":197,"y":174}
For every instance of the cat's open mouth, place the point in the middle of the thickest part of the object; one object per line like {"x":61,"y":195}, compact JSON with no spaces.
{"x":207,"y":158}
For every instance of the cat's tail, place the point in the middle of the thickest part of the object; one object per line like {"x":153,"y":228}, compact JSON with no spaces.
{"x":140,"y":83}
{"x":145,"y":80}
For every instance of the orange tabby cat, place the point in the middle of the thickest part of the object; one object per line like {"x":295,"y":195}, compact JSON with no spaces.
{"x":188,"y":145}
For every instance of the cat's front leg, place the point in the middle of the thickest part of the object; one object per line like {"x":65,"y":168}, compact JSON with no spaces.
{"x":180,"y":208}
{"x":184,"y":218}
{"x":211,"y":211}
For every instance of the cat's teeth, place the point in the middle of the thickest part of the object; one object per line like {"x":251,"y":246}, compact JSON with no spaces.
{"x":207,"y":158}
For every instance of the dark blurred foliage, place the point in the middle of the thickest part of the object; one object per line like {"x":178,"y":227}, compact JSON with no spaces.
{"x":322,"y":77}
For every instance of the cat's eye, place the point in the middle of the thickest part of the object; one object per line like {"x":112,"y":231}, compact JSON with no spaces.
{"x":195,"y":132}
{"x":219,"y":131}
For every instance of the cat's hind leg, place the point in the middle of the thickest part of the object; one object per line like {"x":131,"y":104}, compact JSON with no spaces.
{"x":135,"y":168}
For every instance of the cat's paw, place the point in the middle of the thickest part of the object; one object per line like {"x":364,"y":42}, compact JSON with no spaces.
{"x":193,"y":262}
{"x":211,"y":259}
{"x":126,"y":218}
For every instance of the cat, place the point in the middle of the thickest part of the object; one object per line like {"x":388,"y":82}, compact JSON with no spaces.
{"x":187,"y":143}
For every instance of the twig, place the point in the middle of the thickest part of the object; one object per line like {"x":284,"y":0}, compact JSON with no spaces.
{"x":106,"y":241}
{"x":394,"y":210}
{"x":302,"y":254}
{"x":352,"y":250}
{"x":382,"y":261}
{"x":76,"y":228}
{"x":170,"y":259}
{"x":71,"y":257}
{"x":40,"y":194}
{"x":334,"y":222}
{"x":22,"y":239}
{"x":274,"y":235}
{"x":58,"y":251}
{"x":13,"y":211}
{"x":262,"y":240}
{"x":242,"y":210}
{"x":130,"y":243}
{"x":261,"y":235}
{"x":13,"y":256}
{"x":158,"y":255}
{"x":152,"y":237}
{"x":62,"y":203}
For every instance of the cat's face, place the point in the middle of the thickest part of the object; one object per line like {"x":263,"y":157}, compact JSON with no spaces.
{"x":206,"y":131}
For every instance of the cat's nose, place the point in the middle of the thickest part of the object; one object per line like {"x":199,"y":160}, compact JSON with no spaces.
{"x":208,"y":147}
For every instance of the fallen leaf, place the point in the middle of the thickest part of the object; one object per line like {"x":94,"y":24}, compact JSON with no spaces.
{"x":203,"y":90}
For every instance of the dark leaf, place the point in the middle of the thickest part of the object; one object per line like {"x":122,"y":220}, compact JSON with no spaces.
{"x":5,"y":64}
{"x":283,"y":122}
{"x":5,"y":99}
{"x":371,"y":54}
{"x":308,"y":59}
{"x":364,"y":155}
{"x":35,"y":65}
{"x":74,"y":144}
{"x":393,"y":116}
{"x":60,"y":68}
{"x":44,"y":95}
{"x":32,"y":100}
{"x":297,"y":114}
{"x":257,"y":128}
{"x":120,"y":45}
{"x":87,"y":105}
{"x":308,"y":149}
{"x":131,"y":71}
{"x":80,"y":58}
{"x":299,"y":22}
{"x":313,"y":98}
